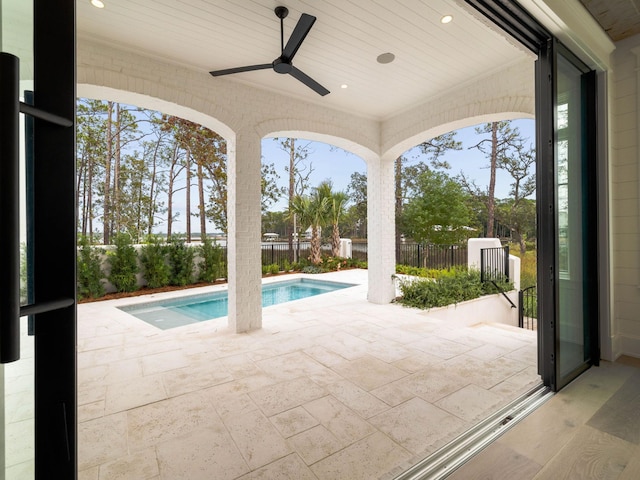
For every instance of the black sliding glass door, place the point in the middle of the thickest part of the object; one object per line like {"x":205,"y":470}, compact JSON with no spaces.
{"x":575,"y":218}
{"x":37,"y":240}
{"x":567,"y":223}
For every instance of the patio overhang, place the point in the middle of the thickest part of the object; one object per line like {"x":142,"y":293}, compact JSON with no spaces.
{"x":445,"y":77}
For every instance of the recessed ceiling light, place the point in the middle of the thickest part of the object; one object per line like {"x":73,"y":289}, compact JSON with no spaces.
{"x":446,"y":19}
{"x":386,"y":57}
{"x":97,"y":3}
{"x":344,"y":85}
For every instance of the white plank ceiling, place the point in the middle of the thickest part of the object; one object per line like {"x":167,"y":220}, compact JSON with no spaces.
{"x":341,"y":48}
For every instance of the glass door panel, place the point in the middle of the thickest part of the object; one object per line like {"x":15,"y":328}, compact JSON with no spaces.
{"x":17,"y":378}
{"x":573,"y":227}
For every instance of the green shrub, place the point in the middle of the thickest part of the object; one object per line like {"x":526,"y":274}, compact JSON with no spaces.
{"x":355,"y":263}
{"x":124,"y":264}
{"x":528,"y":270}
{"x":331,"y":264}
{"x":286,"y":266}
{"x":90,"y":273}
{"x":295,"y":266}
{"x":446,"y":288}
{"x":528,"y":267}
{"x":423,"y":272}
{"x":180,"y":262}
{"x":212,"y":264}
{"x":274,"y":268}
{"x":153,"y":257}
{"x":311,"y":269}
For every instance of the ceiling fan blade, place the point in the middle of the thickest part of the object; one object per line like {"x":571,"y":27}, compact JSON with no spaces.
{"x":297,"y":37}
{"x":308,"y":81}
{"x":228,"y":71}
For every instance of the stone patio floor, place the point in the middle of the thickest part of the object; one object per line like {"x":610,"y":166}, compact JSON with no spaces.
{"x":332,"y":387}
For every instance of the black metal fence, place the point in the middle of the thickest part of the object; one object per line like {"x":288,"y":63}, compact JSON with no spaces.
{"x":412,"y":254}
{"x":431,"y":256}
{"x":494,"y":264}
{"x":528,"y":308}
{"x":360,"y":250}
{"x":280,"y":253}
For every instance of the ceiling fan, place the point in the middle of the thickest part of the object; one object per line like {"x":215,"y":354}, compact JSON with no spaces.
{"x":283,"y":64}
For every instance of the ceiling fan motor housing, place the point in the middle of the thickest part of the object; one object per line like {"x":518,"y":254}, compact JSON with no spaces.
{"x":281,"y":66}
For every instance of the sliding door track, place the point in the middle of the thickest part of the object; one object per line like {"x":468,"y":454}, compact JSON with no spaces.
{"x":453,"y":455}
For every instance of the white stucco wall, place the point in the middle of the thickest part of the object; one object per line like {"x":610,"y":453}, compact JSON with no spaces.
{"x":625,"y":211}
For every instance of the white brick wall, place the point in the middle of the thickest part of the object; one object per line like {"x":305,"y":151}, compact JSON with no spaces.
{"x":625,"y":154}
{"x":244,"y":232}
{"x":243,"y":115}
{"x":381,"y":223}
{"x":507,"y":94}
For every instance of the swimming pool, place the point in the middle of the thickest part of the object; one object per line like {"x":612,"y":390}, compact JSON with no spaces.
{"x":181,"y":311}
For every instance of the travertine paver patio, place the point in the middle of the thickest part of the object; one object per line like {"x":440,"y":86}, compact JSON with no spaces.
{"x":333,"y":387}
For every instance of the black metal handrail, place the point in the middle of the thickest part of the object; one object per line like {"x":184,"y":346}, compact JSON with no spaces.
{"x":528,"y":308}
{"x":494,"y":268}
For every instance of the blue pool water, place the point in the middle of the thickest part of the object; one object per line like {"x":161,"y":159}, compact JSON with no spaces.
{"x":176,"y":312}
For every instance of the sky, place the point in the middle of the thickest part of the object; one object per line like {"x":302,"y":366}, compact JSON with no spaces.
{"x":335,"y":164}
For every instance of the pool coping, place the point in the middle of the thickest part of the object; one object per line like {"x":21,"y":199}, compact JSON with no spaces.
{"x":221,"y":324}
{"x":191,"y":298}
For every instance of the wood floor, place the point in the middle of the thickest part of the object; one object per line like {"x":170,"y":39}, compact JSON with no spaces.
{"x":589,"y":430}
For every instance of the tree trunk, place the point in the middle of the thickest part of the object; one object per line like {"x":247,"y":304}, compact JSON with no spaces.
{"x":201,"y":210}
{"x":152,"y":188}
{"x":81,"y":186}
{"x":335,"y":240}
{"x":106,"y":221}
{"x":292,"y":186}
{"x":315,"y":255}
{"x":188,"y":199}
{"x":398,"y":172}
{"x":89,"y":200}
{"x":117,"y":207}
{"x":174,"y":159}
{"x":139,"y":211}
{"x":491,"y":201}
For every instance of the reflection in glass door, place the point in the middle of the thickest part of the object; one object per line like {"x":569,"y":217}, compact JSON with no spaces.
{"x":17,"y":377}
{"x":575,"y":219}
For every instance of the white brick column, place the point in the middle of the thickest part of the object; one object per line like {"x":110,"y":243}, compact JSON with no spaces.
{"x":243,"y":238}
{"x":381,"y":230}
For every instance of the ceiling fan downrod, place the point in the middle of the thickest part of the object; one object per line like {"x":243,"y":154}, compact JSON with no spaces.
{"x":281,"y":13}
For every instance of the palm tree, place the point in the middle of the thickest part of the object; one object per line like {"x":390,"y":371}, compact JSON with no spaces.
{"x":337,"y":203}
{"x":311,"y":210}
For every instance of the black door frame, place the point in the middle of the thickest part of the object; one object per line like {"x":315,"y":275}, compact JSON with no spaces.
{"x":51,"y":246}
{"x":516,"y":21}
{"x":55,"y":239}
{"x":589,"y":133}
